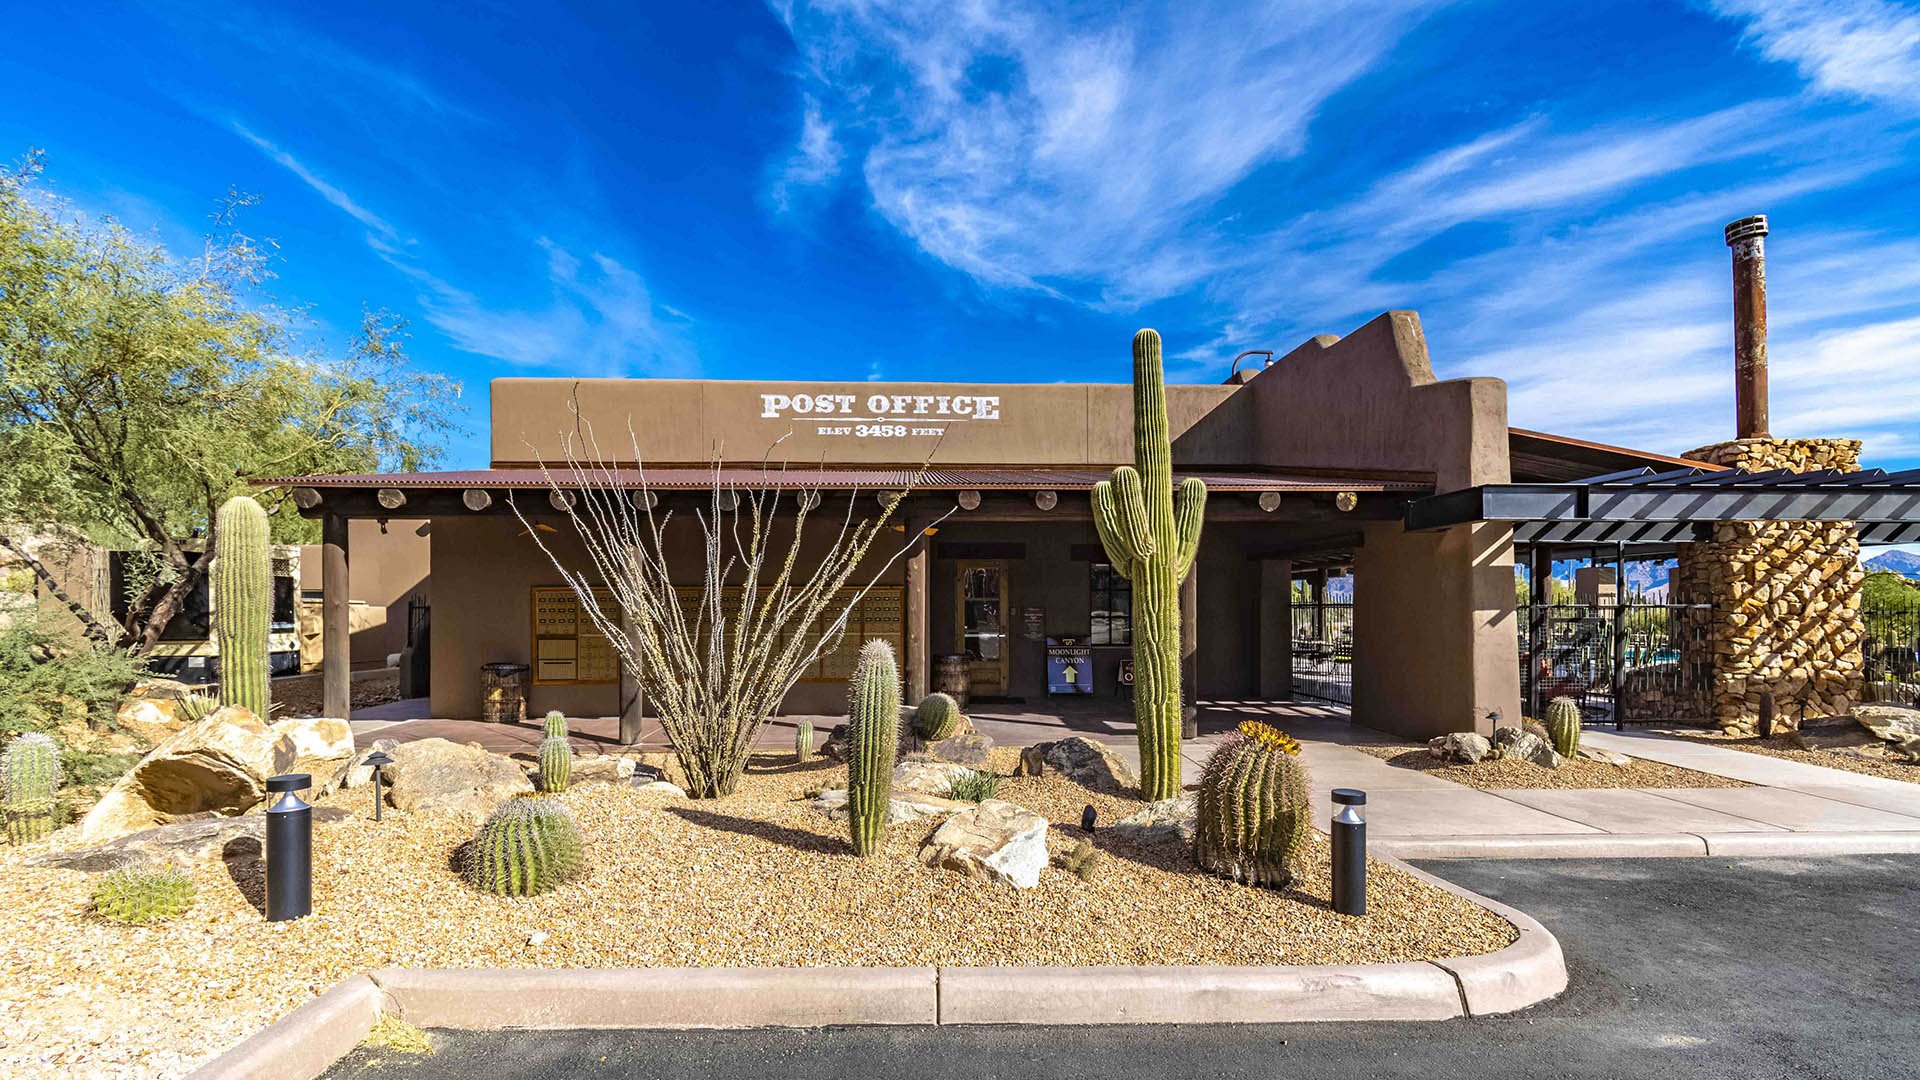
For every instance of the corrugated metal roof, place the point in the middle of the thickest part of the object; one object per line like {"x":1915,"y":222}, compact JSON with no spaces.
{"x":844,"y":477}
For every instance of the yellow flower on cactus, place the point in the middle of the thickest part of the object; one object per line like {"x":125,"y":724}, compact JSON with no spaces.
{"x":1272,"y":736}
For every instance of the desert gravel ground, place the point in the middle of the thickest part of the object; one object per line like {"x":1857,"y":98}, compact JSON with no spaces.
{"x":757,"y":878}
{"x":1577,"y":774}
{"x":1779,"y":747}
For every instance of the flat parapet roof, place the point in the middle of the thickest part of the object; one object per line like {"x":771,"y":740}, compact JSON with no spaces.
{"x":841,"y":478}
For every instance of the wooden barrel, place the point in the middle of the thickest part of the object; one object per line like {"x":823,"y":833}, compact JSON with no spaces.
{"x":503,"y":693}
{"x":950,"y":677}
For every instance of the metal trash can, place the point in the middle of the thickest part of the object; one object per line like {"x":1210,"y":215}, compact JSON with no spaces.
{"x":503,"y":692}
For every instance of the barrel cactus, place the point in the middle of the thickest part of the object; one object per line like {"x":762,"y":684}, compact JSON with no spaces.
{"x":142,"y":894}
{"x":556,"y":765}
{"x":242,"y":603}
{"x":29,"y":776}
{"x":803,"y":741}
{"x":555,"y":726}
{"x":1151,"y":534}
{"x":1563,"y":726}
{"x":937,"y":717}
{"x":527,"y":846}
{"x":1253,"y":811}
{"x":873,"y":730}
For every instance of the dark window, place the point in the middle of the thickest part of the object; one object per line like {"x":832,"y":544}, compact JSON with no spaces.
{"x":1112,"y":604}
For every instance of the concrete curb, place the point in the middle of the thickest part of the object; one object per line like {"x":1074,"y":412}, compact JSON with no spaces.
{"x":307,"y":1041}
{"x":1525,"y":973}
{"x":1646,"y":845}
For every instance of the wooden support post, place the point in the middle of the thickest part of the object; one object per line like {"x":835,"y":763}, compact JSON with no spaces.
{"x":919,"y":674}
{"x":336,"y":631}
{"x":1540,"y":582}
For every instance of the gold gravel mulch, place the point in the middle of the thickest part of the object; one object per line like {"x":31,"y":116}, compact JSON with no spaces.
{"x":1576,"y":774}
{"x":758,"y":878}
{"x":1780,"y":746}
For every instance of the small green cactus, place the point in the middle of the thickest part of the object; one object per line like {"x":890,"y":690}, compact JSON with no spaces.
{"x":142,"y":894}
{"x":29,"y":776}
{"x":1253,"y":811}
{"x":556,"y":725}
{"x":873,"y":729}
{"x":803,"y":741}
{"x":937,"y":717}
{"x":527,"y":846}
{"x":1083,"y":861}
{"x":556,"y":764}
{"x":1563,"y":726}
{"x":243,"y":603}
{"x":975,"y":786}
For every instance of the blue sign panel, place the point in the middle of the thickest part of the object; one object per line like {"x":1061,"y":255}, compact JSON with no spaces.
{"x":1069,"y":666}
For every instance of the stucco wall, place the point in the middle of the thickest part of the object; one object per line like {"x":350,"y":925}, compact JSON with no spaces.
{"x":387,"y":570}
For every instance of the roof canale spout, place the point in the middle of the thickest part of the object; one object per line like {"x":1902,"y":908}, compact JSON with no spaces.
{"x":1747,"y":238}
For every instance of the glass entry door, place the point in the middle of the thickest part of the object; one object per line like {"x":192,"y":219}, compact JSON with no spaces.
{"x":982,"y":612}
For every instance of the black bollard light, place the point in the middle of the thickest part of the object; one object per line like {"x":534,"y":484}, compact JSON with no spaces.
{"x":289,"y":849}
{"x":1086,"y":818}
{"x":1349,"y":852}
{"x":377,"y":760}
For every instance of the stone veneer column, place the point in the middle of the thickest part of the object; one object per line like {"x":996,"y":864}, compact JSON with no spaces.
{"x":1785,"y":598}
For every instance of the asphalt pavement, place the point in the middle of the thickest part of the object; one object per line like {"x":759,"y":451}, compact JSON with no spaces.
{"x":1680,"y":968}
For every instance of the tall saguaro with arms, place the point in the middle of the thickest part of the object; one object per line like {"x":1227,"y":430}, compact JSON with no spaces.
{"x":1151,"y":534}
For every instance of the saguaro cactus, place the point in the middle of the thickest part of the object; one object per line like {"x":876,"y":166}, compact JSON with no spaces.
{"x":556,"y":764}
{"x":1563,"y":726}
{"x":555,"y":725}
{"x":803,"y":741}
{"x":1151,"y":534}
{"x":242,"y":603}
{"x":29,"y":775}
{"x":873,"y":728}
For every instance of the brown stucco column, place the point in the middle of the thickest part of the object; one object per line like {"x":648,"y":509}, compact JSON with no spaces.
{"x":918,"y":676}
{"x":1276,"y":629}
{"x":1435,"y":638}
{"x":1189,"y":652}
{"x":336,"y":632}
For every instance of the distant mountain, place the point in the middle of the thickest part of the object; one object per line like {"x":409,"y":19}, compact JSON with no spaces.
{"x":1904,"y":563}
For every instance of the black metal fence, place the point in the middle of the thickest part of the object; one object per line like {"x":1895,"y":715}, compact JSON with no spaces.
{"x":1891,"y":649}
{"x":1323,"y":650}
{"x":1570,"y":650}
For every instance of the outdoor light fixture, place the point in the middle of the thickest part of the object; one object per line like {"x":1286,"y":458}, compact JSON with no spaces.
{"x":289,"y":849}
{"x":377,"y":759}
{"x":1346,"y":500}
{"x":1349,"y":852}
{"x":1087,"y":816}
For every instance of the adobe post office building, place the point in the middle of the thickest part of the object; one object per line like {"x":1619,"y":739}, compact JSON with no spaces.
{"x":1345,"y":455}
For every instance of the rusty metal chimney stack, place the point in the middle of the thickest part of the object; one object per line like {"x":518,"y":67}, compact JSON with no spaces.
{"x":1748,"y":239}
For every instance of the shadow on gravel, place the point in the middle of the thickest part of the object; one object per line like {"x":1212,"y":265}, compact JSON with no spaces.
{"x":779,"y":834}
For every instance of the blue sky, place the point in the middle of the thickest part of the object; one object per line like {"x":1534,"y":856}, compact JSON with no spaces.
{"x":1004,"y":191}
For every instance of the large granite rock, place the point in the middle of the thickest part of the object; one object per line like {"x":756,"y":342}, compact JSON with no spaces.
{"x":603,"y":769}
{"x":1531,"y":747}
{"x":927,"y":777}
{"x":357,"y":772}
{"x":461,"y":779}
{"x":322,"y":748}
{"x":1897,"y":725}
{"x":1081,"y":760}
{"x":995,"y":841}
{"x":1464,"y":747}
{"x":967,"y":750}
{"x":903,"y":806}
{"x":1878,"y":732}
{"x":217,"y":766}
{"x":180,"y":843}
{"x":1605,"y":757}
{"x":1169,"y":821}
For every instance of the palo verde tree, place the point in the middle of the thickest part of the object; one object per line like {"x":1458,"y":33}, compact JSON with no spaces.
{"x":138,"y":391}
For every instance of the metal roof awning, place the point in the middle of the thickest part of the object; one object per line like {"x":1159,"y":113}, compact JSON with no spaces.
{"x":1645,"y":506}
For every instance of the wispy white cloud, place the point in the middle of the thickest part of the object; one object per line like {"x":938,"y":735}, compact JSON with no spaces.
{"x":815,"y":159}
{"x":341,"y":201}
{"x":1043,"y":147}
{"x":1863,"y":49}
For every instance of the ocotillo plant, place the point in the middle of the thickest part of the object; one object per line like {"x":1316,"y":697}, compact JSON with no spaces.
{"x":803,"y":741}
{"x":1151,"y":534}
{"x":1563,"y":726}
{"x":937,"y":717}
{"x":29,"y":775}
{"x":556,"y":764}
{"x":873,"y":729}
{"x":1252,"y":812}
{"x":242,"y":603}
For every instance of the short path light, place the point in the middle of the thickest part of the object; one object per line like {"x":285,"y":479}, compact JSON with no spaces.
{"x":1349,"y":852}
{"x":1087,"y":816}
{"x":377,"y":760}
{"x":289,"y":849}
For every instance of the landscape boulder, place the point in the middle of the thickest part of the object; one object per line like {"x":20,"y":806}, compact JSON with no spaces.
{"x":322,"y":748}
{"x":218,"y":766}
{"x":179,"y":843}
{"x":1464,"y":747}
{"x":1081,"y":760}
{"x":1605,"y":757}
{"x":967,"y":750}
{"x":928,"y":777}
{"x":1896,"y":725}
{"x":358,"y":773}
{"x":603,"y":769}
{"x":460,"y":779}
{"x":1169,"y":821}
{"x":1530,"y":747}
{"x":660,"y":787}
{"x":995,"y":841}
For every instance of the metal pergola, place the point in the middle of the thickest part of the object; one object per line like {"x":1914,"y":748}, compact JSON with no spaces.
{"x":1644,"y":513}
